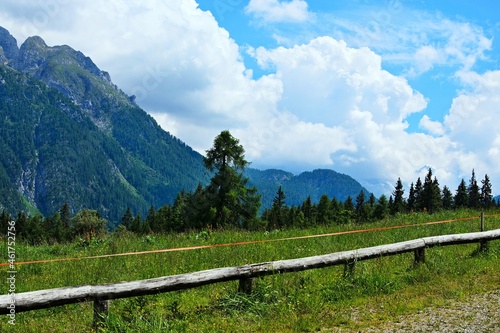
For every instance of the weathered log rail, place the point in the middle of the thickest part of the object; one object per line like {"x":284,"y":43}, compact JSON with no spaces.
{"x":100,"y":294}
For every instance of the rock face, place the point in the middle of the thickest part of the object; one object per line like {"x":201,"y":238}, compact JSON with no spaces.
{"x":67,"y":70}
{"x":3,"y":59}
{"x":31,"y":55}
{"x":34,"y":56}
{"x":8,"y":44}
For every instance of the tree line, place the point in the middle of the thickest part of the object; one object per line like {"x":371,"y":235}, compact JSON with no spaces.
{"x":428,"y":196}
{"x":228,"y":202}
{"x":59,"y":228}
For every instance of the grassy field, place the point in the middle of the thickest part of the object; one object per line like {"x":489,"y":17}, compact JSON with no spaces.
{"x":321,"y":299}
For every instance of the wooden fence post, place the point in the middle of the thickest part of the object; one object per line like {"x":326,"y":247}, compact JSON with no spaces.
{"x":349,"y":267}
{"x":419,"y":256}
{"x":101,"y":310}
{"x":246,"y":285}
{"x":483,"y":247}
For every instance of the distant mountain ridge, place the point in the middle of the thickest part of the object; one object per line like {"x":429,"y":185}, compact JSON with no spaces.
{"x":298,"y":187}
{"x":68,"y":134}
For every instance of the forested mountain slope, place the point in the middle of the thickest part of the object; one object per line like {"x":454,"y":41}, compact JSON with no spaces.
{"x":298,"y":187}
{"x":70,"y":135}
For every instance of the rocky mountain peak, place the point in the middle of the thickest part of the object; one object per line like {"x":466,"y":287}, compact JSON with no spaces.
{"x":35,"y":42}
{"x":34,"y":56}
{"x":72,"y":73}
{"x":31,"y":55}
{"x":8,"y":44}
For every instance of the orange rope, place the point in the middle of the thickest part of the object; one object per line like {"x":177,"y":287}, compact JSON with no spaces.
{"x":199,"y":247}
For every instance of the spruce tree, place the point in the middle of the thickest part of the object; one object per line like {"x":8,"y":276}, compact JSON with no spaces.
{"x":419,"y":202}
{"x":447,"y":198}
{"x":411,"y":199}
{"x":398,"y":205}
{"x":5,"y":218}
{"x":65,"y":213}
{"x":21,"y":224}
{"x":55,"y":229}
{"x":427,"y":192}
{"x":192,"y":211}
{"x":323,"y":214}
{"x":150,"y":222}
{"x":335,"y":211}
{"x":486,"y":193}
{"x":136,"y":224}
{"x":348,"y":210}
{"x":360,"y":209}
{"x":370,"y":207}
{"x":436,"y":199}
{"x":372,"y":200}
{"x":127,"y":219}
{"x":381,"y":208}
{"x":308,"y":210}
{"x":391,"y":204}
{"x":164,"y":218}
{"x":279,"y":199}
{"x":431,"y":194}
{"x":473,"y":192}
{"x":234,"y":203}
{"x":277,"y":214}
{"x":461,"y":199}
{"x":35,"y":233}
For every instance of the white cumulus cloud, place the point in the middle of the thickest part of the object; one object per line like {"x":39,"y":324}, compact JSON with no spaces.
{"x":473,"y":122}
{"x":433,"y":127}
{"x":279,"y":11}
{"x":346,"y":90}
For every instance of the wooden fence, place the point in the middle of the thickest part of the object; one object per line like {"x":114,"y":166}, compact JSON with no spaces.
{"x":101,"y":294}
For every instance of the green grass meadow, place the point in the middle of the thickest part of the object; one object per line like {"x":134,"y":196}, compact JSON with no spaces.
{"x":321,"y":299}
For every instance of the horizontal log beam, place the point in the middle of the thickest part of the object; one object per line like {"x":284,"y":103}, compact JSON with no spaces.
{"x":40,"y":299}
{"x":473,"y":237}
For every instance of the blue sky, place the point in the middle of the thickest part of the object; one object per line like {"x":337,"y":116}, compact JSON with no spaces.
{"x":374,"y":89}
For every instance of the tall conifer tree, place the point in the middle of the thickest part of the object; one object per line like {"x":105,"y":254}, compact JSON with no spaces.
{"x":447,"y":198}
{"x":473,"y":192}
{"x":411,"y":199}
{"x":419,"y":204}
{"x":461,"y":199}
{"x":398,"y":205}
{"x":486,"y":192}
{"x":234,"y":202}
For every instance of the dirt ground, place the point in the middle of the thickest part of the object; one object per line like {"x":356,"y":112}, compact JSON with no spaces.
{"x":477,"y":314}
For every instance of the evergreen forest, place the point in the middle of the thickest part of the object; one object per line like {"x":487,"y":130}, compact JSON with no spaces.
{"x":229,"y":202}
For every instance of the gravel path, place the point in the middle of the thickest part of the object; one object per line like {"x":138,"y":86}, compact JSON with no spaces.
{"x":477,"y":314}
